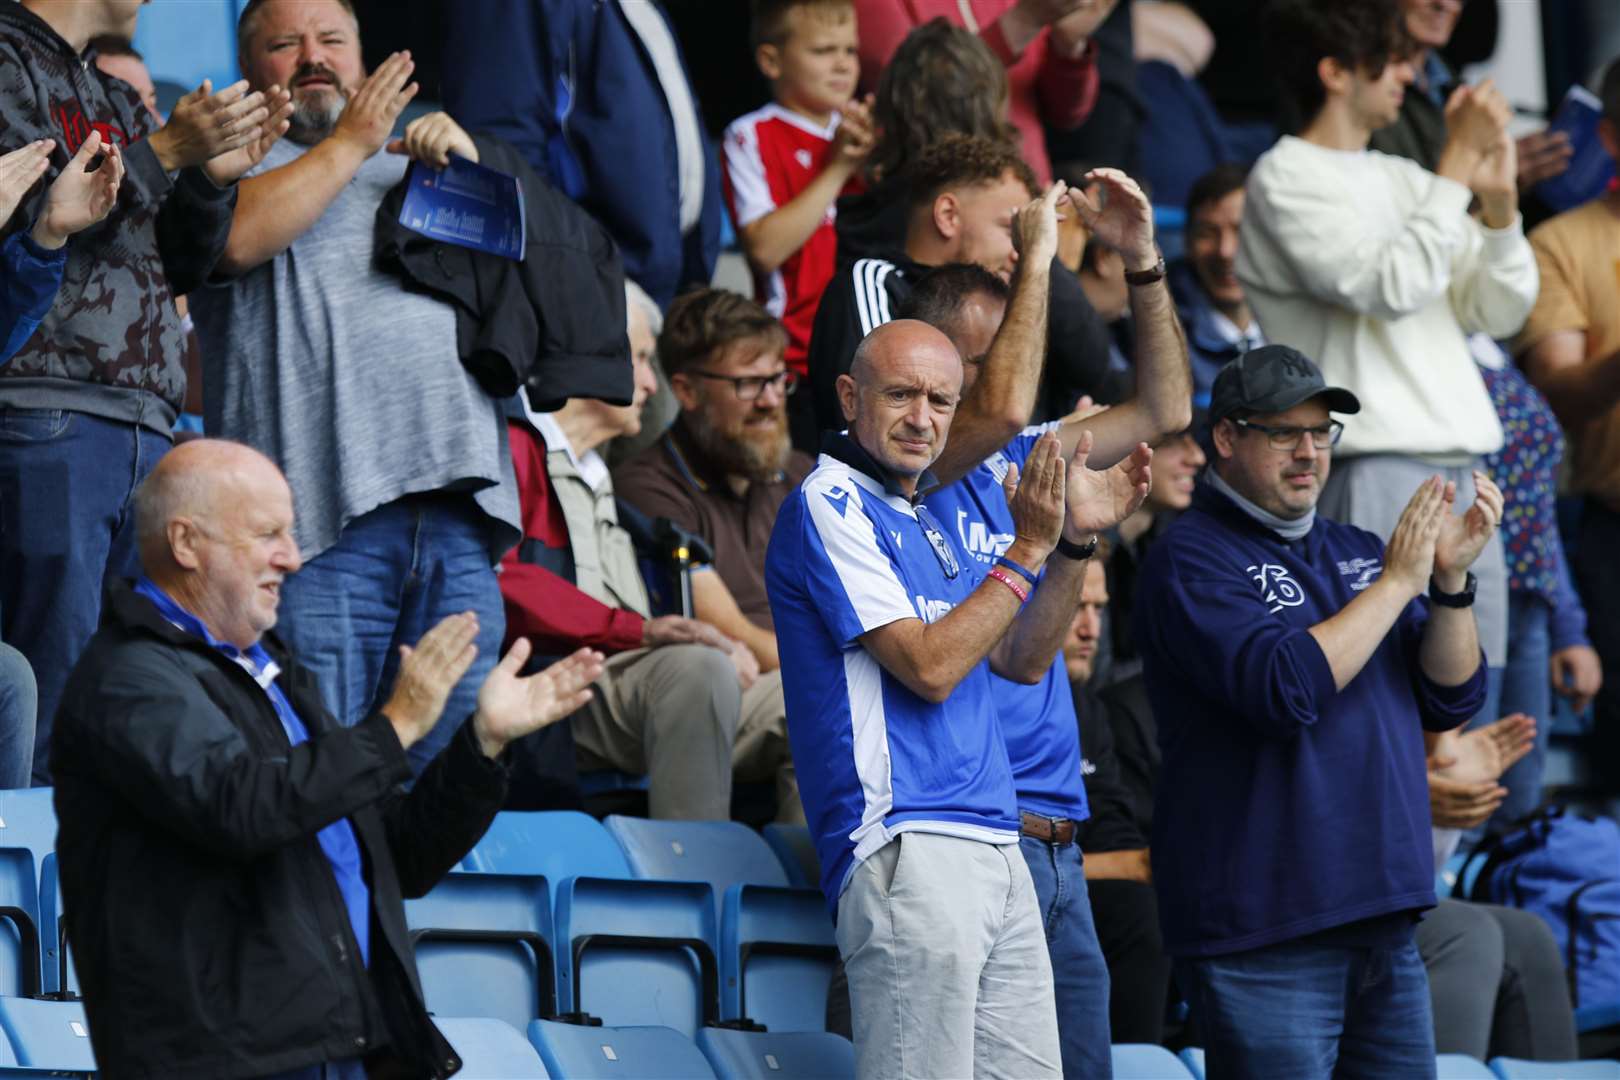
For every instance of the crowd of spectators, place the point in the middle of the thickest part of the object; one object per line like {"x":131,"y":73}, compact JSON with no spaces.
{"x":1135,"y":637}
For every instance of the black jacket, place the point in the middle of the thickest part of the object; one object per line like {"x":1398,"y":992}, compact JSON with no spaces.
{"x":554,"y":322}
{"x":207,"y":928}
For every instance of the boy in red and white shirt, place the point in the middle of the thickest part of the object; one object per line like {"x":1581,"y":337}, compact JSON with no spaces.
{"x":785,"y":164}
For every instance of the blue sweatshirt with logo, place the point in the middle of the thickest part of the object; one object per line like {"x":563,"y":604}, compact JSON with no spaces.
{"x":1284,"y":807}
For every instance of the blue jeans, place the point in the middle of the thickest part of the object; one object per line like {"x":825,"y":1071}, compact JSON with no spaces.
{"x":391,"y":577}
{"x":19,"y":706}
{"x":1313,"y":1012}
{"x":1079,"y":973}
{"x":352,"y":1069}
{"x":66,"y":528}
{"x":1526,"y":688}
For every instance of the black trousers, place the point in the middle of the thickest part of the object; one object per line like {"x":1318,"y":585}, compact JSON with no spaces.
{"x":1127,"y":918}
{"x":1597,"y":575}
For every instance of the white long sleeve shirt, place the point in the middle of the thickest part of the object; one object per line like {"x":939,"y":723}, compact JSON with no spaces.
{"x":1370,"y":265}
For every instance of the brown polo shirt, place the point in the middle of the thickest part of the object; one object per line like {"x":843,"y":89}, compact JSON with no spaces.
{"x":672,"y":479}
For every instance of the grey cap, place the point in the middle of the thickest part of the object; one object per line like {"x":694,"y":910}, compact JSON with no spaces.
{"x":1273,"y":379}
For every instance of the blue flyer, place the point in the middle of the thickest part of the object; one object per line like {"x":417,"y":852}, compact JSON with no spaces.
{"x":1591,"y":168}
{"x":466,"y":204}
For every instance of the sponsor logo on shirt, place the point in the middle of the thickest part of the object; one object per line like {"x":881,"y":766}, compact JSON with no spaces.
{"x":1364,"y":571}
{"x":1276,"y":587}
{"x":1086,"y":767}
{"x":980,"y":542}
{"x":933,"y":610}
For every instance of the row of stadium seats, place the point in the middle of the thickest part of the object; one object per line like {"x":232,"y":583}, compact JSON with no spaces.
{"x":1157,"y":1063}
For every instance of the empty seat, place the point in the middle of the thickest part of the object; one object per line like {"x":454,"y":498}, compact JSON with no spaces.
{"x":1461,"y":1067}
{"x":48,"y":1034}
{"x":1193,"y":1058}
{"x":557,"y":843}
{"x":777,"y":952}
{"x":483,"y":946}
{"x":27,"y":835}
{"x":1517,"y":1069}
{"x":796,"y":851}
{"x":766,"y":1055}
{"x":1144,"y":1061}
{"x":491,"y":1049}
{"x":617,"y":1053}
{"x":637,"y":952}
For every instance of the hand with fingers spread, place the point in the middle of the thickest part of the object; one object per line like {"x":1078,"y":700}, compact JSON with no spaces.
{"x":368,"y":119}
{"x":1099,"y":500}
{"x":78,"y":199}
{"x":1483,"y":753}
{"x":1464,"y":536}
{"x":20,"y":170}
{"x":427,"y":675}
{"x":1036,"y":498}
{"x":1035,"y":227}
{"x":205,"y":125}
{"x":433,"y":138}
{"x":228,"y":168}
{"x":1118,"y":213}
{"x":1409,"y":555}
{"x":511,"y":705}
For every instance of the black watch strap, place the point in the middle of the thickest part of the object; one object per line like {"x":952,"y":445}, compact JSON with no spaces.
{"x":1075,"y":551}
{"x":1457,"y":599}
{"x":1148,"y":276}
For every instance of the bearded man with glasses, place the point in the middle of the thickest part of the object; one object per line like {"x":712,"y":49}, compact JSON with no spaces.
{"x":1294,"y":664}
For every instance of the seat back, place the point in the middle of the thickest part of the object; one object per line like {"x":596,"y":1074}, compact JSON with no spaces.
{"x":638,"y":952}
{"x":723,"y":853}
{"x":796,"y":851}
{"x":1461,"y":1067}
{"x":491,"y":1049}
{"x":48,"y":1034}
{"x":777,"y":957}
{"x":1144,"y":1061}
{"x":484,"y":946}
{"x":57,"y":955}
{"x":1519,"y":1069}
{"x":617,"y":1053}
{"x":27,"y":835}
{"x":766,"y":1055}
{"x":556,"y":843}
{"x":1193,"y":1058}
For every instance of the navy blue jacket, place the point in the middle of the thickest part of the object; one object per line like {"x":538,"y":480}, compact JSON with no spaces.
{"x":1284,"y":807}
{"x":29,"y":278}
{"x":568,"y":83}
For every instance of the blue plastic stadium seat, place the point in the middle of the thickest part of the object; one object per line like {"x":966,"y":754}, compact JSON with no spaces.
{"x":719,"y":852}
{"x":1193,"y":1058}
{"x":484,"y":946}
{"x":492,"y":1049}
{"x":57,"y":955}
{"x":556,"y":843}
{"x":1461,"y":1067}
{"x":1144,"y":1061}
{"x":27,"y":835}
{"x":47,"y":1034}
{"x":638,"y":952}
{"x":1516,"y":1069}
{"x":767,"y":1055}
{"x":618,"y":1053}
{"x":796,"y":851}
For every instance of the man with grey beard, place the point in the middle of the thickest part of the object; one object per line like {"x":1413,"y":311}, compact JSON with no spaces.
{"x":726,"y":466}
{"x":350,"y":383}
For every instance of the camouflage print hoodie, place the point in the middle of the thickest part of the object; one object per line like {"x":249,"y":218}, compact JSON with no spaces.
{"x":111,"y":344}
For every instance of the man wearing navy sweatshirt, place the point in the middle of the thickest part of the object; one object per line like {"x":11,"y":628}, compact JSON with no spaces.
{"x":1293,"y":665}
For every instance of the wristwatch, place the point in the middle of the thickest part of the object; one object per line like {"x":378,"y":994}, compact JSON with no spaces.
{"x":1454,"y":599}
{"x":1148,"y":276}
{"x":1070,"y":550}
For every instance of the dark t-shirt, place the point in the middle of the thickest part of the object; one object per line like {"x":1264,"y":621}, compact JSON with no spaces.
{"x":673,"y":479}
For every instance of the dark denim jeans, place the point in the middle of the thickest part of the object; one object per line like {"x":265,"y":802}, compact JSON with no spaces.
{"x":1079,"y":973}
{"x":19,"y":706}
{"x":66,"y":527}
{"x":1313,"y":1012}
{"x":391,"y":577}
{"x":1526,"y":688}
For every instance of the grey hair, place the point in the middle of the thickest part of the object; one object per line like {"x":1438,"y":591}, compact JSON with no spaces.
{"x":636,"y":297}
{"x":163,"y":496}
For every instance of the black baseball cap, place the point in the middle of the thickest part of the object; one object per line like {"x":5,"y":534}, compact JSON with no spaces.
{"x":1273,"y":379}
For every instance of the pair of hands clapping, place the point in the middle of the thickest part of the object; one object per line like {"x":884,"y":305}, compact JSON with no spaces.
{"x":1115,"y":210}
{"x":1431,"y":540}
{"x":1053,"y":498}
{"x":76,"y":199}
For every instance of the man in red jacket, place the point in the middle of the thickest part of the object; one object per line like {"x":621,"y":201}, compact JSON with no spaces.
{"x":679,"y":701}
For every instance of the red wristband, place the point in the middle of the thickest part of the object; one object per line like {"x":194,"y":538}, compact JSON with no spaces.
{"x":1006,"y":579}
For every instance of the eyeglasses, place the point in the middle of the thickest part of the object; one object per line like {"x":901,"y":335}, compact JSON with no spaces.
{"x":749,"y":387}
{"x":1288,"y":438}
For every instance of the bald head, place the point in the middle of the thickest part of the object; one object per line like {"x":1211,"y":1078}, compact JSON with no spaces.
{"x":902,"y":389}
{"x":214,"y":526}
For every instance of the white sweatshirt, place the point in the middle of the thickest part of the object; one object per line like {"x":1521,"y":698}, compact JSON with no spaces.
{"x":1370,"y":265}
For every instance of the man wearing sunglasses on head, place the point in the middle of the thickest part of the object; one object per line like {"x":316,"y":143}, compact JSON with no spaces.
{"x":1293,"y":664}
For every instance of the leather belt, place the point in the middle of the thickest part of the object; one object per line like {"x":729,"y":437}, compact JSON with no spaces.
{"x":1058,"y":831}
